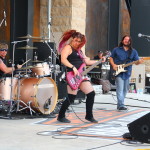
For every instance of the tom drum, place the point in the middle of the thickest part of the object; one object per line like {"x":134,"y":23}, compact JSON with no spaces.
{"x":5,"y":88}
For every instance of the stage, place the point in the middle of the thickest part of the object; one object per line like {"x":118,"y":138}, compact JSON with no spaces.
{"x":35,"y":133}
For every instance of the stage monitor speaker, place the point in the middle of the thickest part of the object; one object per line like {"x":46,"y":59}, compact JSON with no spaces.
{"x":43,"y":51}
{"x":140,"y":129}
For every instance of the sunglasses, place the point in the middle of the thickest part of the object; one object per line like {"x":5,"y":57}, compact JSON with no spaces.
{"x":4,"y":50}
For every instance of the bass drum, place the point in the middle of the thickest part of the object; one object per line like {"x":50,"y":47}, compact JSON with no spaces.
{"x":42,"y":92}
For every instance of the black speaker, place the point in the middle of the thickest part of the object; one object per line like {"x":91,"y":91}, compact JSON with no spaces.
{"x":140,"y":129}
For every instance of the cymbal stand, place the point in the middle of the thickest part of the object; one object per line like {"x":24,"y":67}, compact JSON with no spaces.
{"x":54,"y":58}
{"x":26,"y":59}
{"x":12,"y":75}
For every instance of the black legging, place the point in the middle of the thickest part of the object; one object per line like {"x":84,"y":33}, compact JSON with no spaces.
{"x":70,"y":99}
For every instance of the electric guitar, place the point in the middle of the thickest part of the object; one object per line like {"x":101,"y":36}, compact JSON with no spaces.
{"x":75,"y":81}
{"x":120,"y":68}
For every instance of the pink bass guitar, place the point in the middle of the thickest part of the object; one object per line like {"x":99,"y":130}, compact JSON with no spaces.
{"x":75,"y":81}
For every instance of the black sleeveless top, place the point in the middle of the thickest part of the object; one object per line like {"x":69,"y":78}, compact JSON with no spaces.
{"x":2,"y":74}
{"x":75,"y":59}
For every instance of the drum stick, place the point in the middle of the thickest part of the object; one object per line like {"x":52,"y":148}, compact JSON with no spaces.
{"x":26,"y":62}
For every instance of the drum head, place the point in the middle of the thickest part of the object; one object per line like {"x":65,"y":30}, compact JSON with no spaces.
{"x":41,"y":92}
{"x":46,"y":95}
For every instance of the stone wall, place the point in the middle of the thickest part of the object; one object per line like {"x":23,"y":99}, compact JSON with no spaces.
{"x":71,"y":14}
{"x":66,"y":15}
{"x":43,"y":18}
{"x":125,"y":20}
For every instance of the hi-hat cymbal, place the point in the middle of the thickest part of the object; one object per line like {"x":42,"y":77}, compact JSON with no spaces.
{"x":27,"y":47}
{"x":37,"y":61}
{"x":28,"y":36}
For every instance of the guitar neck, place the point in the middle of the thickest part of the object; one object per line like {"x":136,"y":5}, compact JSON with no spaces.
{"x":126,"y":65}
{"x":90,"y":68}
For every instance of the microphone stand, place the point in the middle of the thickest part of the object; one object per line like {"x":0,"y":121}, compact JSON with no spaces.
{"x":12,"y":75}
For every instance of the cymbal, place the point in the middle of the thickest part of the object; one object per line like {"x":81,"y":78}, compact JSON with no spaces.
{"x":27,"y":47}
{"x":36,"y":61}
{"x":44,"y":38}
{"x":28,"y":36}
{"x":29,"y":67}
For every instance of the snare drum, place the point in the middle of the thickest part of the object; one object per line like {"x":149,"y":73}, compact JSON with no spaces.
{"x":5,"y":88}
{"x":41,"y":69}
{"x":41,"y":92}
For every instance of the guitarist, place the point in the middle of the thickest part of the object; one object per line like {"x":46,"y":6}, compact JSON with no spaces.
{"x":72,"y":57}
{"x":124,"y":53}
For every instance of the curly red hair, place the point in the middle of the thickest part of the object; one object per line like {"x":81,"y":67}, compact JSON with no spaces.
{"x":71,"y":34}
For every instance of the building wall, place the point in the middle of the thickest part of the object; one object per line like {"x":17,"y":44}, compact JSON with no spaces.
{"x":86,"y":16}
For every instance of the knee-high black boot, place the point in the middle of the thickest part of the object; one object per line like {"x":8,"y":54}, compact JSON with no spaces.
{"x":89,"y":107}
{"x":61,"y":116}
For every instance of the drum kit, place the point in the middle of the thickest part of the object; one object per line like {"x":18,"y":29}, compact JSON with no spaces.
{"x":31,"y":87}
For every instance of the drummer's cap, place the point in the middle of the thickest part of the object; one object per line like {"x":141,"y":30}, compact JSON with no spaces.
{"x":3,"y":47}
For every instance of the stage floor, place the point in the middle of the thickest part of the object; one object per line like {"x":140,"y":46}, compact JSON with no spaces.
{"x":48,"y":133}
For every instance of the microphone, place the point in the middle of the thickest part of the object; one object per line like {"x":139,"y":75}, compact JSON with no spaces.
{"x":5,"y":18}
{"x":48,"y":103}
{"x":142,"y":35}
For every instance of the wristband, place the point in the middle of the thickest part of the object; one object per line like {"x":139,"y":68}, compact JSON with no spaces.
{"x":72,"y":67}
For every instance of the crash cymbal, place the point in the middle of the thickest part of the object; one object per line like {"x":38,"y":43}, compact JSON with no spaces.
{"x":27,"y":47}
{"x":37,"y":61}
{"x":28,"y":36}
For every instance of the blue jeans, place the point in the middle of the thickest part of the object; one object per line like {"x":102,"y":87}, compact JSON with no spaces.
{"x":122,"y":87}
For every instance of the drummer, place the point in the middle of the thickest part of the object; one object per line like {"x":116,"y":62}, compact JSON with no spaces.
{"x":4,"y":70}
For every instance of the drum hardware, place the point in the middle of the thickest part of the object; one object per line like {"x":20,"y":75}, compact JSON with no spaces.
{"x":32,"y":92}
{"x":19,"y":102}
{"x":29,"y":67}
{"x":12,"y":77}
{"x":27,"y":47}
{"x":37,"y":61}
{"x":28,"y":36}
{"x":26,"y":106}
{"x":54,"y":56}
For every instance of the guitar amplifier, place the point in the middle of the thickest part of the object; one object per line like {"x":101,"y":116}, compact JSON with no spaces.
{"x":138,"y":74}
